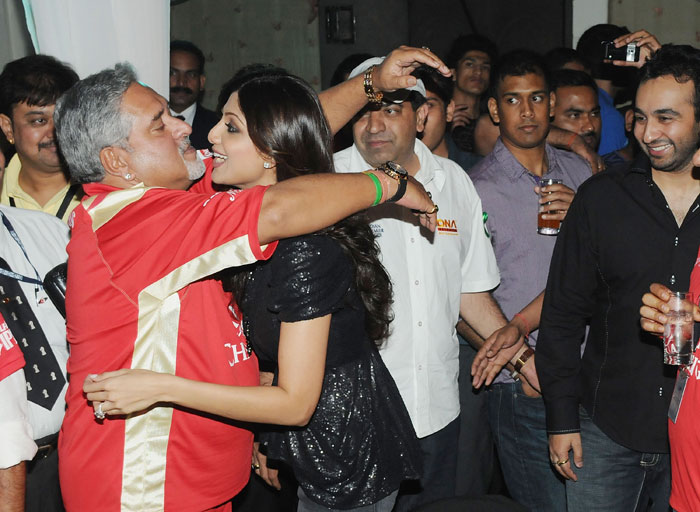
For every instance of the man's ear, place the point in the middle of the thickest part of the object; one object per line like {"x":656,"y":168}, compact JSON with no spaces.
{"x":493,"y":110}
{"x":6,"y":127}
{"x":450,"y":111}
{"x":421,"y":116}
{"x":552,"y":103}
{"x":114,"y":160}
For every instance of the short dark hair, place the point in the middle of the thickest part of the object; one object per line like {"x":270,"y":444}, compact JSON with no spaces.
{"x":36,"y":80}
{"x":680,"y":61}
{"x":590,"y":48}
{"x":186,"y":46}
{"x":464,"y":44}
{"x":435,"y":82}
{"x":517,"y":63}
{"x":557,"y":58}
{"x":571,"y":78}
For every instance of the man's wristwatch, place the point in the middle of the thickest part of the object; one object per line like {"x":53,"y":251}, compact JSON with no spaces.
{"x":396,"y":172}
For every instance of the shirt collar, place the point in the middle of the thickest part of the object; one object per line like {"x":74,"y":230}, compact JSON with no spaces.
{"x":188,"y":113}
{"x":514,"y":169}
{"x":93,"y":189}
{"x":430,"y":168}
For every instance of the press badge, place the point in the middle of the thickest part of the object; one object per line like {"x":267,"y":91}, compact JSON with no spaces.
{"x":678,"y":391}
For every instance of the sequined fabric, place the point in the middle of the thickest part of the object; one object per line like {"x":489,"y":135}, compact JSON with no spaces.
{"x":359,"y":444}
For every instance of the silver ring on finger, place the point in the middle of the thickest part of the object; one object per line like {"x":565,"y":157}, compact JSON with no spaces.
{"x":99,"y":414}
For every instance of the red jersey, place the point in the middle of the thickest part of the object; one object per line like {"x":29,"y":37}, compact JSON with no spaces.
{"x":684,"y":434}
{"x":11,"y":357}
{"x":139,"y":295}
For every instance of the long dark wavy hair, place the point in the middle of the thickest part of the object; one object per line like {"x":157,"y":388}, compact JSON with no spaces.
{"x":285,"y":120}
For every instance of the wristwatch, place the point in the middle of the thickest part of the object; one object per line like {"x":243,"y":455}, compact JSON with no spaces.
{"x":396,"y":172}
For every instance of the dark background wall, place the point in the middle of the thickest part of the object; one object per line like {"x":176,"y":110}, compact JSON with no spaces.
{"x":382,"y":25}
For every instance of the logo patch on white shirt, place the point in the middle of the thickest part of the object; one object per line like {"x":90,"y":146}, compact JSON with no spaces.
{"x":447,"y":227}
{"x":376,"y":229}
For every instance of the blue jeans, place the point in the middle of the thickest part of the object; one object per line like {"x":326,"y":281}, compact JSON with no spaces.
{"x":615,"y":478}
{"x":519,"y":429}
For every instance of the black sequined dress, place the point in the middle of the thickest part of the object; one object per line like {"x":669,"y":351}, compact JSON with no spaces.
{"x":359,"y":444}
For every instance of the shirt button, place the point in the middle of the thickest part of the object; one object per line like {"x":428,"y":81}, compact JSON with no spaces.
{"x":413,"y":240}
{"x":420,"y":367}
{"x":676,"y":242}
{"x":673,"y":279}
{"x":420,"y":324}
{"x":417,"y":282}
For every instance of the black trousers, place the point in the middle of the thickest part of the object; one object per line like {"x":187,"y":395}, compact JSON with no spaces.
{"x":43,"y":492}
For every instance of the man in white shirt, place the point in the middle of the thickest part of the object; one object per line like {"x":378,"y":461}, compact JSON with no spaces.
{"x":436,"y":278}
{"x":31,"y":244}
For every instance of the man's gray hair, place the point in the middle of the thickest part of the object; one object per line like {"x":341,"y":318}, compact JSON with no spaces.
{"x":88,"y":118}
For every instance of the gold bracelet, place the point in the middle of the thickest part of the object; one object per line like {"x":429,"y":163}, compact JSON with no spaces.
{"x":372,"y":95}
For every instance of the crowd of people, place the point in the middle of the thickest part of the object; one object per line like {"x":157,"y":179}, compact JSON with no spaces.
{"x":342,"y":301}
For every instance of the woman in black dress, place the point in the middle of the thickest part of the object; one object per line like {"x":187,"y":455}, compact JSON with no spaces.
{"x":316,"y":310}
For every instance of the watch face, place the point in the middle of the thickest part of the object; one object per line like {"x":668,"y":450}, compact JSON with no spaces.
{"x":396,"y":167}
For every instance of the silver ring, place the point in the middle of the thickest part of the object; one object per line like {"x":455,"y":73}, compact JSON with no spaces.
{"x":98,"y":413}
{"x":425,"y":48}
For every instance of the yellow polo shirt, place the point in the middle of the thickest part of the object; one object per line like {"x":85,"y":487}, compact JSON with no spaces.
{"x":11,"y":189}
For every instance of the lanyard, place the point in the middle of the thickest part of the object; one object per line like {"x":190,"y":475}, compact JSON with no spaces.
{"x":36,"y":281}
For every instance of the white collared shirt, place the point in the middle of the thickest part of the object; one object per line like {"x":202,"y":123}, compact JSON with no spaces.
{"x":429,"y":272}
{"x":21,"y":422}
{"x":188,"y":113}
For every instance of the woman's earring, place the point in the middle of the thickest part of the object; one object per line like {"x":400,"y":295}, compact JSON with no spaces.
{"x":267,"y":165}
{"x":128,"y":176}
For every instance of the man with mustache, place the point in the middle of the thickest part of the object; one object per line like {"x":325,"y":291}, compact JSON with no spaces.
{"x":187,"y":81}
{"x":35,"y":177}
{"x":576,"y":106}
{"x":141,"y":292}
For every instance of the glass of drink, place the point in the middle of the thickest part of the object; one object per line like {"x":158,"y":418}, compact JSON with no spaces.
{"x":679,"y":343}
{"x":549,"y":226}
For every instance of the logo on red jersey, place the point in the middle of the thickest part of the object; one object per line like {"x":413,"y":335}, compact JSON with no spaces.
{"x":7,"y":340}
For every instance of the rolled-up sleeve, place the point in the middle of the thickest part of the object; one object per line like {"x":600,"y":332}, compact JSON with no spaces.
{"x":17,"y":439}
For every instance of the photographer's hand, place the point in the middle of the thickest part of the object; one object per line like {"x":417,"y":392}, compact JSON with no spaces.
{"x":647,"y":43}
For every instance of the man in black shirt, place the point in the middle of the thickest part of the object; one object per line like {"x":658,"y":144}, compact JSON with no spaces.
{"x":626,"y":227}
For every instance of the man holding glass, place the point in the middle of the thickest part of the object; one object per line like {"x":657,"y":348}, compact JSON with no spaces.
{"x":626,"y":228}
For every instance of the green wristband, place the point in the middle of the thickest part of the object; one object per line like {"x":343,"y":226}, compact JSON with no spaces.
{"x":378,"y":186}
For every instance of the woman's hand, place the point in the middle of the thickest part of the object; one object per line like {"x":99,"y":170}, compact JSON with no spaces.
{"x":125,"y":391}
{"x":418,"y":200}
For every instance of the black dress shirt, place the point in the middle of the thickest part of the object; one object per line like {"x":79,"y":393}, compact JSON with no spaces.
{"x":619,"y":236}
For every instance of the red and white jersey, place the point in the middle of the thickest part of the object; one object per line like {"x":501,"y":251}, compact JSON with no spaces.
{"x":11,"y":357}
{"x":139,"y":296}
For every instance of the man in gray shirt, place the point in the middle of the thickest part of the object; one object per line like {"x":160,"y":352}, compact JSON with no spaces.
{"x":507,"y":180}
